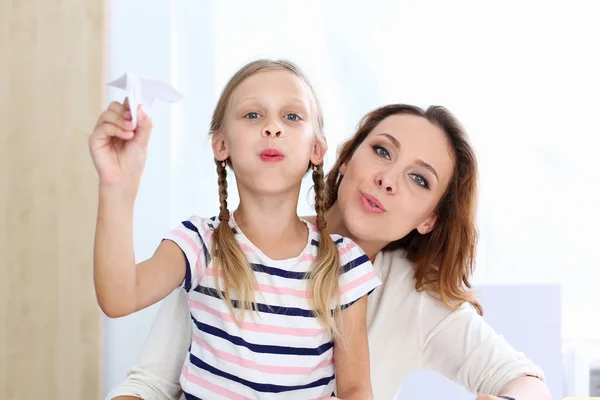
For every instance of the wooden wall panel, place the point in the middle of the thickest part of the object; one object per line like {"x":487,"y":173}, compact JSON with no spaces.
{"x":52,"y":57}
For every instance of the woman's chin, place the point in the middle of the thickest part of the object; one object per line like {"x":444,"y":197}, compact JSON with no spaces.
{"x":363,"y":228}
{"x":366,"y":229}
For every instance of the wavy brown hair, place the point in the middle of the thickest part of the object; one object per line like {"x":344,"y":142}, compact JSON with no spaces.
{"x":444,"y":258}
{"x":229,"y":258}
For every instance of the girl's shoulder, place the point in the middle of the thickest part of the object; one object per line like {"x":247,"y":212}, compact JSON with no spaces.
{"x":196,"y":228}
{"x":341,"y":242}
{"x":347,"y":248}
{"x":202,"y":224}
{"x":199,"y":224}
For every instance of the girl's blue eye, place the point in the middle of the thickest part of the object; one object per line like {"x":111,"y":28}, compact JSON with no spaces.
{"x":252,"y":115}
{"x":421,"y":181}
{"x":382,"y":152}
{"x":292,"y":117}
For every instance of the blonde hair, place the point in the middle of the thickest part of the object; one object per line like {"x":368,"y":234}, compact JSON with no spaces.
{"x":229,"y":258}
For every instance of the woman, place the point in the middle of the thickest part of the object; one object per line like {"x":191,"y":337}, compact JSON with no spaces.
{"x":404,"y":188}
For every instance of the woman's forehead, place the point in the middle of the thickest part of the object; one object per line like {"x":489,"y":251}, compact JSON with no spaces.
{"x":412,"y":131}
{"x":417,"y":138}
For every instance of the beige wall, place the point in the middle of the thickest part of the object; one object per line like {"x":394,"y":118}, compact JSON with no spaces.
{"x":51,"y":59}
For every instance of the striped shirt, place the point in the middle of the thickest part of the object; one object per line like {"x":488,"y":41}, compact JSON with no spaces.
{"x":280,"y":352}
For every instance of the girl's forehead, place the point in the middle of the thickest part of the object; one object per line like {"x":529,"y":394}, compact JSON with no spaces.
{"x":271,"y":82}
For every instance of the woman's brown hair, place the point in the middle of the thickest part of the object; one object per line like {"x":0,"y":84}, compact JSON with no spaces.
{"x":229,"y":259}
{"x":444,"y":258}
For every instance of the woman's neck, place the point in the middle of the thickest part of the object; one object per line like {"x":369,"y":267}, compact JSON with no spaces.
{"x":335,"y":224}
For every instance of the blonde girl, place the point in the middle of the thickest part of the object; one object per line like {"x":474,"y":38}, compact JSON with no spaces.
{"x":273,"y":298}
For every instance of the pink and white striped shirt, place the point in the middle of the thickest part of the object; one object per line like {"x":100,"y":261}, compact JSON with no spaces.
{"x":284,"y":352}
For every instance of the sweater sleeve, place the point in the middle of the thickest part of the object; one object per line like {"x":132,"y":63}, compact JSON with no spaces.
{"x":464,"y":348}
{"x":156,"y":376}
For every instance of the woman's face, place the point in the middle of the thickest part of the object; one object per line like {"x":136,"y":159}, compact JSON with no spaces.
{"x":395,"y":179}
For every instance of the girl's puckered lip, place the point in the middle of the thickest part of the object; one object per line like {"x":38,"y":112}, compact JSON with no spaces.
{"x":271,"y":155}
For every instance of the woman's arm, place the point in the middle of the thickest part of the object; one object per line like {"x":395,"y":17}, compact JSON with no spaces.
{"x":464,"y":348}
{"x":526,"y":387}
{"x":351,"y":354}
{"x":156,"y":376}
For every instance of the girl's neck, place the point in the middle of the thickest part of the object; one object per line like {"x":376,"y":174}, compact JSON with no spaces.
{"x":335,"y":224}
{"x":272,"y":224}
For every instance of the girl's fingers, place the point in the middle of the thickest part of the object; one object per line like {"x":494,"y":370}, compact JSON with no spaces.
{"x":111,"y":117}
{"x":115,"y":114}
{"x":144,"y":127}
{"x":109,"y":130}
{"x":118,"y":108}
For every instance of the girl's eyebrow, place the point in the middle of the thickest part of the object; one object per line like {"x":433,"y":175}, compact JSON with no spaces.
{"x":246,"y":99}
{"x":298,"y":100}
{"x":250,"y":98}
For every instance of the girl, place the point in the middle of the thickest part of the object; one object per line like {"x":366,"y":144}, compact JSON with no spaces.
{"x":268,"y":292}
{"x":423,"y":171}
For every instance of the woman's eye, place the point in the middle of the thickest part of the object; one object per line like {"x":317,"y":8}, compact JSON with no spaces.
{"x":252,"y":115}
{"x":382,"y":152}
{"x":421,"y":181}
{"x":292,"y":117}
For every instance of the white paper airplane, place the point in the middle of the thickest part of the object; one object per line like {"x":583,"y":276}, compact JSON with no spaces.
{"x":144,"y":91}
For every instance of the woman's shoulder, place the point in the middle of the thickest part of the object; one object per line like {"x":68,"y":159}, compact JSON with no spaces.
{"x":396,"y":272}
{"x":400,"y":300}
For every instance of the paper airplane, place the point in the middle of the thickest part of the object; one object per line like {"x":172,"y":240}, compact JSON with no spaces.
{"x":144,"y":91}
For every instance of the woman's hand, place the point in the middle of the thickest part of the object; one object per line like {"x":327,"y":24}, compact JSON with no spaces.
{"x":118,"y":147}
{"x":127,"y":398}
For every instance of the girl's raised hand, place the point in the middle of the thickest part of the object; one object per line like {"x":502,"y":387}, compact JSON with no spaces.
{"x":118,"y":147}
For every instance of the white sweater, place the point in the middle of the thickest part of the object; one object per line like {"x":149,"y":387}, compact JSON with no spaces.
{"x":408,"y":331}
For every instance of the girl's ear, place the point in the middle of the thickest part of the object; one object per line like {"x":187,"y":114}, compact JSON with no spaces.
{"x":318,"y":151}
{"x":219,"y":146}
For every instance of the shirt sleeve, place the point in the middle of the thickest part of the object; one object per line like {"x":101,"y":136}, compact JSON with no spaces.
{"x":193,"y":238}
{"x":464,"y":348}
{"x":357,"y":275}
{"x":156,"y":376}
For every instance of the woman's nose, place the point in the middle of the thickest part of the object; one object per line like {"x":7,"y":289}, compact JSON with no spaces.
{"x":386,"y":184}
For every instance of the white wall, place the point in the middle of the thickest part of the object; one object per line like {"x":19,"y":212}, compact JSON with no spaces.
{"x":522,"y":77}
{"x":140,"y":41}
{"x":159,"y":40}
